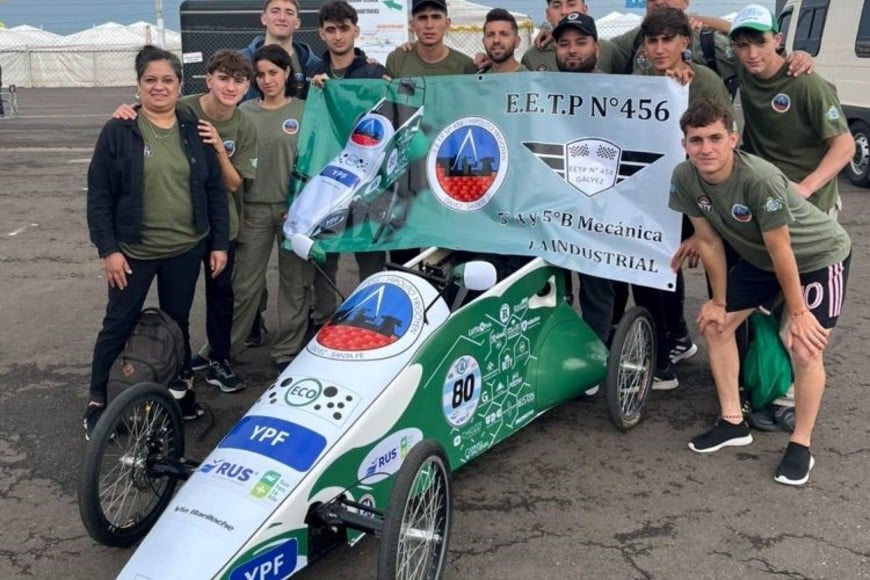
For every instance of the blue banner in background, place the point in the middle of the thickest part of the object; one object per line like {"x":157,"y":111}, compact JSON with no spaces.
{"x":635,"y":3}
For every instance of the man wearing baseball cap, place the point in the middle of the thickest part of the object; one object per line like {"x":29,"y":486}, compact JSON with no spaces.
{"x":576,"y":41}
{"x":795,"y":123}
{"x":428,"y":55}
{"x":544,"y":58}
{"x":576,"y":49}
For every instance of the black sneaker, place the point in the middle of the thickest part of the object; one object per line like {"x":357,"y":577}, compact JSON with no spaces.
{"x":796,"y":464}
{"x":89,"y":421}
{"x":199,"y":363}
{"x":186,"y":399}
{"x":784,"y":416}
{"x":682,"y":349}
{"x":221,"y":375}
{"x":723,"y":434}
{"x":665,"y":379}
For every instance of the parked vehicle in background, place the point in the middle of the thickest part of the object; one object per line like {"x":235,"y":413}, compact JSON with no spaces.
{"x":837,"y":35}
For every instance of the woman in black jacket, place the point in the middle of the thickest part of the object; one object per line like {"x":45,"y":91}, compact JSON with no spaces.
{"x":155,"y":201}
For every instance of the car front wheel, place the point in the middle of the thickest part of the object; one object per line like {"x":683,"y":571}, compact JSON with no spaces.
{"x":859,"y":167}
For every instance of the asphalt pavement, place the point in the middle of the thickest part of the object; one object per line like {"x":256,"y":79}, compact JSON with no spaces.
{"x":568,"y":497}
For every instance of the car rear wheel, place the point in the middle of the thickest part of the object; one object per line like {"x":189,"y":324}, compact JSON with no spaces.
{"x":859,"y":167}
{"x":630,"y":367}
{"x":124,"y":487}
{"x":418,"y":518}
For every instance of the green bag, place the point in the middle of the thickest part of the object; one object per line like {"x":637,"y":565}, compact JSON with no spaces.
{"x":767,"y":373}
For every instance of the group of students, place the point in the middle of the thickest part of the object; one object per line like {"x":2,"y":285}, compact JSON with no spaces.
{"x":761,"y":218}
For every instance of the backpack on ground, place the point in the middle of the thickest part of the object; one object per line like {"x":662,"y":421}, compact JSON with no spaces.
{"x":154,"y":353}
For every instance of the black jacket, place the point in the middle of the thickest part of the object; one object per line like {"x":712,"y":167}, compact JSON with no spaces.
{"x":116,"y":183}
{"x":360,"y":68}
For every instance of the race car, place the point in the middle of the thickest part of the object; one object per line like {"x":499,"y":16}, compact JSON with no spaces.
{"x":424,"y":367}
{"x":375,"y":156}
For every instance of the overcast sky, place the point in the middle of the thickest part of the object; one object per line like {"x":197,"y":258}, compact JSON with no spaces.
{"x":66,"y":16}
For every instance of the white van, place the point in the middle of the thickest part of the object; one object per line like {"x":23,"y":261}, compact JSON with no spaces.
{"x":837,"y":35}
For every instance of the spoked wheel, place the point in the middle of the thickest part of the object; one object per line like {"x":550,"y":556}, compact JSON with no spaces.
{"x":630,"y":367}
{"x":130,"y":466}
{"x":418,"y":518}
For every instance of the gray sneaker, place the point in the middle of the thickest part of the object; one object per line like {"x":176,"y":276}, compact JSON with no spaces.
{"x":221,"y":375}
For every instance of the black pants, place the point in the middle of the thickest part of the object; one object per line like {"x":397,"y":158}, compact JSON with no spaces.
{"x":596,"y":304}
{"x":219,"y":299}
{"x":666,"y":309}
{"x":176,"y":286}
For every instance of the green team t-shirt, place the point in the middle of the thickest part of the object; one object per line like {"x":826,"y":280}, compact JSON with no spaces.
{"x":755,"y":199}
{"x":240,"y":142}
{"x":545,"y":60}
{"x":627,"y":53}
{"x":277,"y":138}
{"x":167,"y":207}
{"x":408,"y":64}
{"x":705,"y":85}
{"x":522,"y":68}
{"x":788,"y":121}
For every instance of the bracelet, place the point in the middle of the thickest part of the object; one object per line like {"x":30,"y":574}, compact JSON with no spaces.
{"x":732,"y":417}
{"x":801,"y":313}
{"x":717,"y":303}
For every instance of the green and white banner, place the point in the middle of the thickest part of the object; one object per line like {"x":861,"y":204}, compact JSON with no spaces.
{"x":574,"y":168}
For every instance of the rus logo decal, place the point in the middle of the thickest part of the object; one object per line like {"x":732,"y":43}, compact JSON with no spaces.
{"x":591,"y":165}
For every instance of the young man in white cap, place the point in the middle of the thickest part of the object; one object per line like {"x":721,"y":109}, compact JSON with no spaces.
{"x":796,"y":123}
{"x":785,"y":245}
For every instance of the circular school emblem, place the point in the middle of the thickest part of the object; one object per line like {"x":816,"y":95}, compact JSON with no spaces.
{"x":542,"y":68}
{"x":741,"y":213}
{"x":781,"y":103}
{"x":467,"y":163}
{"x":369,"y":131}
{"x":381,"y":319}
{"x":230,"y":147}
{"x":290,"y":126}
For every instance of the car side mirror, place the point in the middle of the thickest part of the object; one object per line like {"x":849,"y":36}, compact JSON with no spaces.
{"x":476,"y":275}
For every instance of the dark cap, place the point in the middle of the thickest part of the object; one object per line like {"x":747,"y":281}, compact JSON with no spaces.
{"x":418,"y":5}
{"x":582,"y":22}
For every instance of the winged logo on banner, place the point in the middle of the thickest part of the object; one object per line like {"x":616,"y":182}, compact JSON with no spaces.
{"x":591,"y":165}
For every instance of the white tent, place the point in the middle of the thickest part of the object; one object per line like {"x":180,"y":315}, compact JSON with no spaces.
{"x":96,"y":57}
{"x":616,"y":23}
{"x":24,"y":35}
{"x":466,"y":27}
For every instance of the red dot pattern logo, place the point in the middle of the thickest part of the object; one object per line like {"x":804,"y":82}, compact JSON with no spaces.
{"x":464,"y":188}
{"x":351,"y":338}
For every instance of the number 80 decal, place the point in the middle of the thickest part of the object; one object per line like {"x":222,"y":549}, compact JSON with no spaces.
{"x":461,"y":392}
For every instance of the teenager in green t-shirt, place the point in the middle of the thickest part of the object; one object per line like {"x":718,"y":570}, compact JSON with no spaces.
{"x":666,"y":35}
{"x":428,"y":55}
{"x":277,"y":116}
{"x":785,"y":245}
{"x":796,"y":123}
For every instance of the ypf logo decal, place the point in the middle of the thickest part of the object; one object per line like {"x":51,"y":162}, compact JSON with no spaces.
{"x":591,"y":165}
{"x":467,"y":163}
